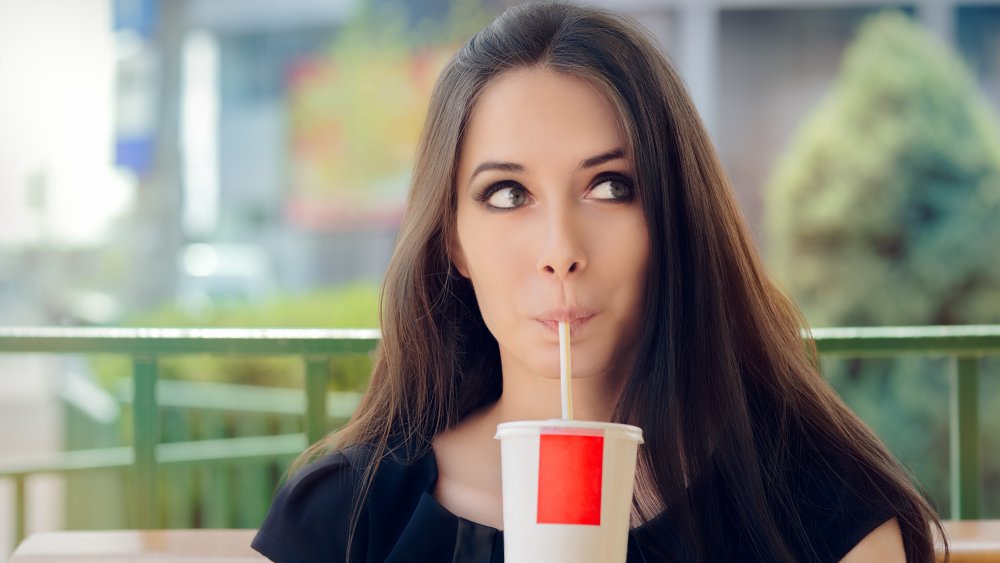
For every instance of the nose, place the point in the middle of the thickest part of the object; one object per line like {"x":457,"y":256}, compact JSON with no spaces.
{"x":562,"y":252}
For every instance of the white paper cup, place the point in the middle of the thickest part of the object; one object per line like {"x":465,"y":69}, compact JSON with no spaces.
{"x":567,"y":490}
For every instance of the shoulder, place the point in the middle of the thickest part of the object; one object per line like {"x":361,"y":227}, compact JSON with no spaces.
{"x":326,"y":507}
{"x":884,"y":544}
{"x":842,"y":505}
{"x":311,"y":514}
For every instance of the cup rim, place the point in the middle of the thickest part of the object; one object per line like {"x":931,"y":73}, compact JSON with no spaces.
{"x":536,"y":426}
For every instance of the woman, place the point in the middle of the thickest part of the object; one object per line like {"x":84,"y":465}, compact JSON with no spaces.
{"x":564,"y":174}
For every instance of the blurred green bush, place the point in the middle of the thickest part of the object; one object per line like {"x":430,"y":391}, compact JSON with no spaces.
{"x":885,"y":210}
{"x":354,"y":306}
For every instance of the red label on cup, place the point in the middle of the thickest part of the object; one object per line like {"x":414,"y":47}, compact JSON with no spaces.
{"x":569,"y":479}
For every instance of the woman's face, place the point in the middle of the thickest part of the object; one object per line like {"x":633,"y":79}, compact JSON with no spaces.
{"x":549,"y":224}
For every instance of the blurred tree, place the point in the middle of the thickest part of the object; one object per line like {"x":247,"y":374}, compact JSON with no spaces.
{"x":886,"y":208}
{"x":356,"y":112}
{"x":886,"y":211}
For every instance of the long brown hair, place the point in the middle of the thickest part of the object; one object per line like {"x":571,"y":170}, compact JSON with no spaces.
{"x":722,"y":381}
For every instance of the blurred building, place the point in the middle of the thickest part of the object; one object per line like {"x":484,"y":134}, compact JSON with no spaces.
{"x":236,"y":61}
{"x":201,"y":111}
{"x":754,"y":68}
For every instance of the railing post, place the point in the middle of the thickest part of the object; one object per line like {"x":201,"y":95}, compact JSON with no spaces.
{"x":144,"y":426}
{"x":20,"y":504}
{"x":317,"y":373}
{"x":966,"y":479}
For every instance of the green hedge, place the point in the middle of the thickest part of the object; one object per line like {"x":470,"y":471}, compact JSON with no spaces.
{"x":354,"y":306}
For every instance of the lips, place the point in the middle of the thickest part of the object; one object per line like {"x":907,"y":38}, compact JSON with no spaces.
{"x":575,"y":317}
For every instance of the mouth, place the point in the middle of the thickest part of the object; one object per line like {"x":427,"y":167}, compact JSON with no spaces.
{"x":576,"y":319}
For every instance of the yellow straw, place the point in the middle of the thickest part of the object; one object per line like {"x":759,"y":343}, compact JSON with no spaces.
{"x":565,"y":371}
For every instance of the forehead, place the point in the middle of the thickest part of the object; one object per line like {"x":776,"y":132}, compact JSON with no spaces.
{"x":539,"y":114}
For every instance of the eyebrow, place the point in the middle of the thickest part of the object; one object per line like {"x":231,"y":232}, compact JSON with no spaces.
{"x":602,"y":158}
{"x":591,"y":162}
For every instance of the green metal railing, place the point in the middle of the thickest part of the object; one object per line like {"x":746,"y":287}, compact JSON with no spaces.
{"x":965,"y":345}
{"x":145,"y":347}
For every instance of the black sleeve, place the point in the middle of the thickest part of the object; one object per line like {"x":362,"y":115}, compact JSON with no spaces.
{"x":841,"y":533}
{"x":310,"y":517}
{"x":835,"y":506}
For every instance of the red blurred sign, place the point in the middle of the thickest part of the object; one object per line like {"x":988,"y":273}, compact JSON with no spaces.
{"x":569,"y":479}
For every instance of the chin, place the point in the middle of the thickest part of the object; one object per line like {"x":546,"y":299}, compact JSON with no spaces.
{"x":550,"y":370}
{"x":544,"y":361}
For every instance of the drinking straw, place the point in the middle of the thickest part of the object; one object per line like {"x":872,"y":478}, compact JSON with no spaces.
{"x":565,"y":371}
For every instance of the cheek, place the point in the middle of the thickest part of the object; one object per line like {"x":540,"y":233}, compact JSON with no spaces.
{"x":493,"y":261}
{"x":639,"y":259}
{"x":501,"y":270}
{"x":497,"y":280}
{"x":624,"y":247}
{"x":492,"y":250}
{"x":496,"y":293}
{"x":630,"y":263}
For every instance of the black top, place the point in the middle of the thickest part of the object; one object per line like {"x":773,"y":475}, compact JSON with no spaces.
{"x":400,"y":521}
